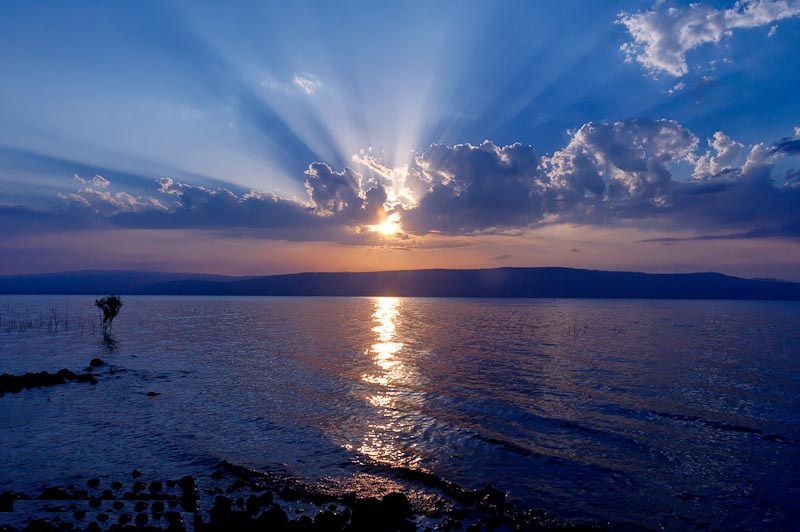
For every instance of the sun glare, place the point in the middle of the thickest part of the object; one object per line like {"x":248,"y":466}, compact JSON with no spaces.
{"x":389,"y":227}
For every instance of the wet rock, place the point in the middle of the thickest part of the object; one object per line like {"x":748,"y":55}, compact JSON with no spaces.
{"x":328,"y":520}
{"x":93,"y":527}
{"x":139,"y":486}
{"x":266,"y":498}
{"x":240,"y":502}
{"x":221,"y":511}
{"x":136,"y":473}
{"x":116,"y":485}
{"x":79,"y":514}
{"x":141,"y":519}
{"x":174,"y":520}
{"x":290,"y":493}
{"x":156,"y":487}
{"x":158,"y":507}
{"x":118,"y":505}
{"x":124,"y":519}
{"x":41,"y":525}
{"x":368,"y":514}
{"x":396,"y":505}
{"x":189,"y":493}
{"x":102,"y":517}
{"x":6,"y":501}
{"x":96,"y":362}
{"x":94,"y":502}
{"x":304,"y":524}
{"x":152,"y":394}
{"x":171,"y":483}
{"x":140,"y":506}
{"x":273,"y":518}
{"x":93,"y":482}
{"x":55,"y":494}
{"x":253,"y":504}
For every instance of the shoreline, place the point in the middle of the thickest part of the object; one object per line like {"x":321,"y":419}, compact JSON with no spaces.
{"x":234,"y":497}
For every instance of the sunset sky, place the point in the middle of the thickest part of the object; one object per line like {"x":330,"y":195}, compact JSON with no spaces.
{"x":318,"y":136}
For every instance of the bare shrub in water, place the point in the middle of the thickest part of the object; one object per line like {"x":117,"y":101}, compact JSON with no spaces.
{"x":109,"y":308}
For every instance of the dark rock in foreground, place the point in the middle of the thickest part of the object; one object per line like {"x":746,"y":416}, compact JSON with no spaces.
{"x":17,"y":383}
{"x":237,"y":498}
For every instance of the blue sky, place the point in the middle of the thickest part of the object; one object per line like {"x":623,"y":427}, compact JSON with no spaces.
{"x":235,"y":103}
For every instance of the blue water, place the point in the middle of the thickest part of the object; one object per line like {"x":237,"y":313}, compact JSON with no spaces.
{"x":674,"y":414}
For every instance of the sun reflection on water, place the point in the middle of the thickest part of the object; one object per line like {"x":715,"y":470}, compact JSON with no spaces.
{"x":392,"y":390}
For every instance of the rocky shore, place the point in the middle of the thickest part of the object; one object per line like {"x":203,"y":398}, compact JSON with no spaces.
{"x":236,"y":498}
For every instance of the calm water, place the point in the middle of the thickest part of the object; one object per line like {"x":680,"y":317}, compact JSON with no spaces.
{"x":663,"y":413}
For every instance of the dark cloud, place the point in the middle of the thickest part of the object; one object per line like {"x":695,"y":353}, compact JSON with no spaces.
{"x":502,"y":257}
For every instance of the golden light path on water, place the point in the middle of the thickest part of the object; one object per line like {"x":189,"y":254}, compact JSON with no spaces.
{"x":394,"y":378}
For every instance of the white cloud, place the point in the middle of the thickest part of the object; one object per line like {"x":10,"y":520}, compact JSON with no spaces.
{"x":306,"y":83}
{"x":661,"y":38}
{"x":723,"y":154}
{"x":98,"y":181}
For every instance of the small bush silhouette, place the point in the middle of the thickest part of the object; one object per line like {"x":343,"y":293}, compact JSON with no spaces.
{"x":109,"y":308}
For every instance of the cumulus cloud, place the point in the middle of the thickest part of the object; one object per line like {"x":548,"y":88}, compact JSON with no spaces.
{"x":619,"y":173}
{"x":661,"y":37}
{"x":722,"y":156}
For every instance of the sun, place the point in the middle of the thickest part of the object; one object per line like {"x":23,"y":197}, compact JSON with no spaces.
{"x":388,"y":227}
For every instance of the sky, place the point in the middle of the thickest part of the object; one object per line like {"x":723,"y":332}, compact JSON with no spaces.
{"x":276,"y":137}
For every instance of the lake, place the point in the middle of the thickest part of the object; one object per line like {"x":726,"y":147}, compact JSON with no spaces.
{"x":675,"y":414}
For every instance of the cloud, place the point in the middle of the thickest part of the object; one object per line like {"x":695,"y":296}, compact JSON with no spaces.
{"x":306,"y":83}
{"x":721,"y":157}
{"x":97,"y":181}
{"x":661,"y":37}
{"x":610,"y":174}
{"x":502,"y":257}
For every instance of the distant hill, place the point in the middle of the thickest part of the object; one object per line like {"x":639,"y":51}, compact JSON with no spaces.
{"x":496,"y":282}
{"x":95,"y":281}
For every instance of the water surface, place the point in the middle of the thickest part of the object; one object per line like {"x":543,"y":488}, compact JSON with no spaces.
{"x":679,"y":414}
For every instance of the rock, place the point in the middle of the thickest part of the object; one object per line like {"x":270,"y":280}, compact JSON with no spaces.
{"x":221,"y":511}
{"x":102,"y":517}
{"x":328,"y":520}
{"x":304,"y":524}
{"x":79,"y":514}
{"x":171,"y":483}
{"x":174,"y":520}
{"x":138,"y":486}
{"x":140,"y":506}
{"x":189,"y":493}
{"x":290,"y":493}
{"x":94,"y":502}
{"x":141,"y":519}
{"x":96,"y":362}
{"x":368,"y":514}
{"x":396,"y":505}
{"x":273,"y":519}
{"x":93,"y":527}
{"x":156,"y":487}
{"x":266,"y":498}
{"x":118,"y":505}
{"x":158,"y":507}
{"x":6,"y":501}
{"x":116,"y":485}
{"x":253,"y":504}
{"x":93,"y":482}
{"x":136,"y":473}
{"x":55,"y":494}
{"x":152,"y":394}
{"x":124,"y":519}
{"x":240,"y":502}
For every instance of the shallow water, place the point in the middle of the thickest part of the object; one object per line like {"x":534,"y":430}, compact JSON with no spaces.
{"x":678,"y":414}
